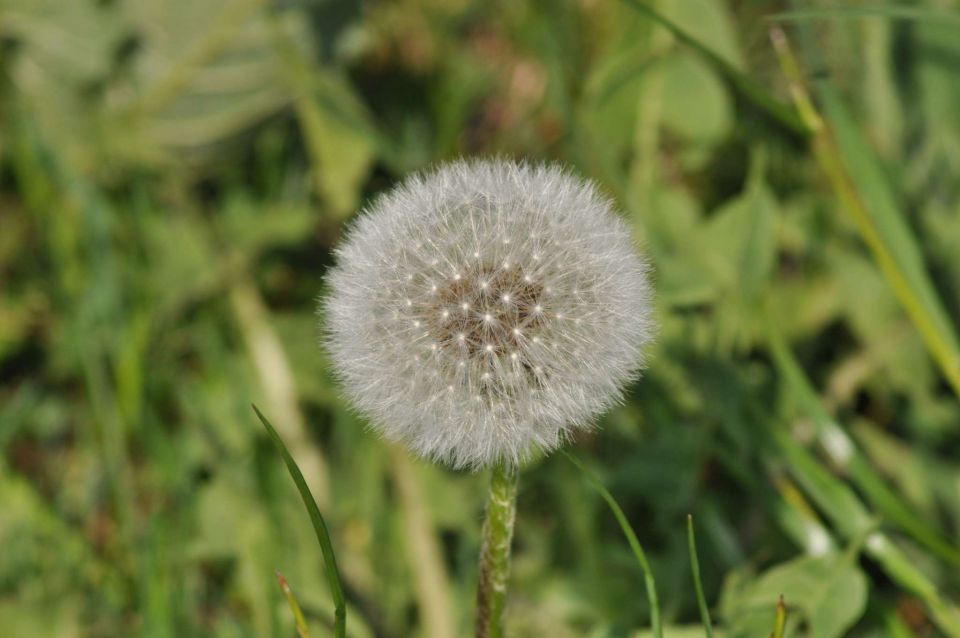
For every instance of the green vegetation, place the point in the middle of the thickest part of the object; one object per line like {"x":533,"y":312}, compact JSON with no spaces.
{"x":175,"y":174}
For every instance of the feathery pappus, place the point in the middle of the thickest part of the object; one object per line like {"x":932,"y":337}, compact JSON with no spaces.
{"x":487,"y":309}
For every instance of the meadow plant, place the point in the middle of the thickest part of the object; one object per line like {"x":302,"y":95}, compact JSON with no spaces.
{"x":484,"y":312}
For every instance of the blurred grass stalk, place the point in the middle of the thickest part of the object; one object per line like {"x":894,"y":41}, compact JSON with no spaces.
{"x":843,"y":507}
{"x":853,"y":521}
{"x":276,"y":377}
{"x":845,"y":454}
{"x":880,"y":225}
{"x":425,"y":555}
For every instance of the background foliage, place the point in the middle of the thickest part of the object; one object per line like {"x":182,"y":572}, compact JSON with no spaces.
{"x":175,"y":173}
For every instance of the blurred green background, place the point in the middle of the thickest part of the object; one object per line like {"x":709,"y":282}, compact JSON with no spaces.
{"x":175,"y":173}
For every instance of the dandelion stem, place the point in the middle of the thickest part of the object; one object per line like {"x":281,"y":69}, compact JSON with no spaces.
{"x":495,"y":551}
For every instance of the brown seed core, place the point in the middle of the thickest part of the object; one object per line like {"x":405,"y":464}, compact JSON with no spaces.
{"x":487,"y":311}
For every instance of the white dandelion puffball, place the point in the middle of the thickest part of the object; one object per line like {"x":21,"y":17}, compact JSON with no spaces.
{"x":487,"y":309}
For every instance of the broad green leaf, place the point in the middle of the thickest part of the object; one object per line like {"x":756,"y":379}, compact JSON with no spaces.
{"x":695,"y":103}
{"x":828,"y":592}
{"x":744,"y":84}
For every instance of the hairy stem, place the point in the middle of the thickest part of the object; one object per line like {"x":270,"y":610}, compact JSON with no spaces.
{"x":495,"y":552}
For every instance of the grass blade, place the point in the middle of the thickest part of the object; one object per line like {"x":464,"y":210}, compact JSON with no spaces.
{"x":319,"y":526}
{"x":631,"y":539}
{"x":859,"y":184}
{"x":752,"y":91}
{"x":302,"y":630}
{"x":844,"y":452}
{"x":851,"y":518}
{"x":697,"y":584}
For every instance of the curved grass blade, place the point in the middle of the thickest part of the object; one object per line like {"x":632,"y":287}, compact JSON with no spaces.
{"x":319,"y":526}
{"x":752,"y":91}
{"x":697,"y":583}
{"x":631,"y":539}
{"x":302,"y":630}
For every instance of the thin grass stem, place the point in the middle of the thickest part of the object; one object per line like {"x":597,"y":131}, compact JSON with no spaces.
{"x":697,"y":583}
{"x":638,"y":552}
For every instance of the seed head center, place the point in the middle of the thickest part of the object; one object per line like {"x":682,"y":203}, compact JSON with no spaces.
{"x":486,"y":311}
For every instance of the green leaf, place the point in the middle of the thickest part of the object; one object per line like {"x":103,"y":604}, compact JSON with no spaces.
{"x":695,"y":103}
{"x":745,"y":85}
{"x":828,"y":592}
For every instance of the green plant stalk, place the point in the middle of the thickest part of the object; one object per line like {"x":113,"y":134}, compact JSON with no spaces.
{"x":697,"y":583}
{"x":638,"y":552}
{"x":827,"y":154}
{"x":319,"y":527}
{"x":495,"y":551}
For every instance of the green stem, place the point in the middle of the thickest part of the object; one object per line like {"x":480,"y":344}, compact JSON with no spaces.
{"x":495,"y":552}
{"x":651,"y":584}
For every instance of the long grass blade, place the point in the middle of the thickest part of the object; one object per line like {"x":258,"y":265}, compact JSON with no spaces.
{"x":861,"y":193}
{"x":844,"y":452}
{"x":841,"y":505}
{"x":319,"y":527}
{"x":697,"y":583}
{"x":631,"y":539}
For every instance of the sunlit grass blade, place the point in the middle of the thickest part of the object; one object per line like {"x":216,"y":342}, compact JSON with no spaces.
{"x":631,"y":539}
{"x":319,"y":526}
{"x":862,"y":191}
{"x":752,"y":91}
{"x":697,"y":583}
{"x":851,"y":518}
{"x":302,"y":630}
{"x":844,"y":452}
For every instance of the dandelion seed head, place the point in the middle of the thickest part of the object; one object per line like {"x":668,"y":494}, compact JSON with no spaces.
{"x":521,"y":284}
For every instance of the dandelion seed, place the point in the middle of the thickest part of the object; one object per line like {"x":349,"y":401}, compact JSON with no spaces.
{"x":505,"y":393}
